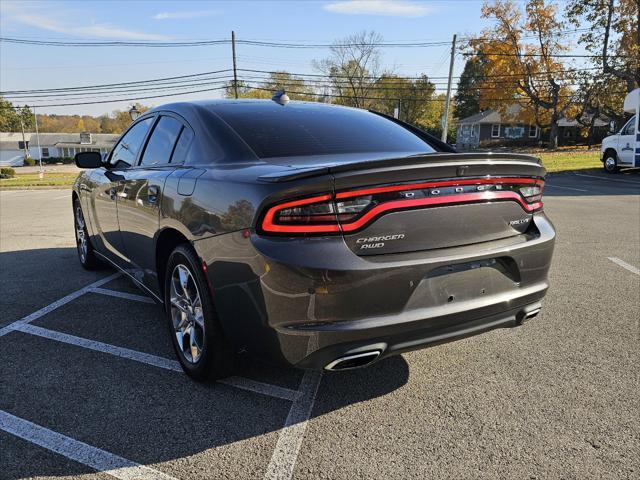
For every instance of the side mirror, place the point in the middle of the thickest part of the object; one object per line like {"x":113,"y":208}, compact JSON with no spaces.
{"x":88,"y":159}
{"x":612,"y":126}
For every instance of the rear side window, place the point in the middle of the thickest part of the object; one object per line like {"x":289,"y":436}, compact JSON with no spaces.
{"x":182,"y":147}
{"x":300,"y":130}
{"x":126,"y":151}
{"x":162,"y":141}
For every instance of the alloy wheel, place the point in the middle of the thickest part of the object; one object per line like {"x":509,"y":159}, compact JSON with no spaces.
{"x":186,"y":313}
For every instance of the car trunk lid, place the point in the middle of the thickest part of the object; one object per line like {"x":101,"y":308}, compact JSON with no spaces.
{"x":435,"y":201}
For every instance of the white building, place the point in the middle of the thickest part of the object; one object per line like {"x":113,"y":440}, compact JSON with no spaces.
{"x":52,"y":145}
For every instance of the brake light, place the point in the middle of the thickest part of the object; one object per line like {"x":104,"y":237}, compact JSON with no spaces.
{"x":352,"y":210}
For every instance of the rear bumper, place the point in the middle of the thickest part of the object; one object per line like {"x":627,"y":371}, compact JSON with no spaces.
{"x":305,"y":302}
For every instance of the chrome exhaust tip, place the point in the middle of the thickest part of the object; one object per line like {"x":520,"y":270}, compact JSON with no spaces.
{"x":529,"y":315}
{"x":356,"y":360}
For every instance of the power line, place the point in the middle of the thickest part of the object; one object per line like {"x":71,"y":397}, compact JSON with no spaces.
{"x":226,"y":41}
{"x":120,"y":99}
{"x":506,"y":75}
{"x":117,"y":91}
{"x":554,"y":55}
{"x":407,"y":99}
{"x":153,"y":80}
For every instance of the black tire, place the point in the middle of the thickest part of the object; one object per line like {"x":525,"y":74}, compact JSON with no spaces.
{"x":610,"y":162}
{"x":215,"y":357}
{"x":86,"y":253}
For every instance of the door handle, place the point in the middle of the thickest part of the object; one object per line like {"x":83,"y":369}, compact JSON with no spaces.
{"x":153,"y":193}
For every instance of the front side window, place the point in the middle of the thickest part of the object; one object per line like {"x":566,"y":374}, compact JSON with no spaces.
{"x":162,"y":142}
{"x":628,"y":128}
{"x":126,"y":151}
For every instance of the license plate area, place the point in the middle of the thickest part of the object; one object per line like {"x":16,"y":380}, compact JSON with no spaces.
{"x":465,"y":281}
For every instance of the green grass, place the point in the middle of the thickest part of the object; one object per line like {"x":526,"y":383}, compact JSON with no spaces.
{"x":27,"y":180}
{"x":564,"y":161}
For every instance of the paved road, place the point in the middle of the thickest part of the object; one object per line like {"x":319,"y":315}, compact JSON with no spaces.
{"x":557,"y":398}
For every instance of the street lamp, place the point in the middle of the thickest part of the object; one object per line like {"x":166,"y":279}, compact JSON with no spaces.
{"x":134,"y":113}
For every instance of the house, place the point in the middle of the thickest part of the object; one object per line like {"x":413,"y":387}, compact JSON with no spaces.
{"x":487,"y":127}
{"x":571,"y":131}
{"x":52,"y":145}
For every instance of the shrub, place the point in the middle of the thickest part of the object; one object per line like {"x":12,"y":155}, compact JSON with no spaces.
{"x":29,"y":162}
{"x":54,"y":160}
{"x":7,"y":172}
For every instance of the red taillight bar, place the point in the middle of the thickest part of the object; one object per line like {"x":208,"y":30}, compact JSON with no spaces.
{"x":269,"y":225}
{"x":432,"y":201}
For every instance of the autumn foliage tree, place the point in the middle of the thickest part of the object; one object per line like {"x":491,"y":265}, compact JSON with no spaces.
{"x":12,"y":119}
{"x":522,"y":65}
{"x":613,"y":36}
{"x":296,"y":87}
{"x":413,"y":97}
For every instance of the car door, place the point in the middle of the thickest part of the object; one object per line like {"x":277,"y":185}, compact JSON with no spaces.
{"x":140,"y":198}
{"x":627,"y":142}
{"x":106,"y":183}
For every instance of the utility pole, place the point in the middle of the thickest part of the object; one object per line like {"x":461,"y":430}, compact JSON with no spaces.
{"x":24,"y":142}
{"x":396,"y":110}
{"x":41,"y":173}
{"x":445,"y":118}
{"x":235,"y":73}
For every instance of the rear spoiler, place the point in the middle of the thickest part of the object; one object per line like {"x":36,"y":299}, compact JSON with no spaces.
{"x":432,"y":159}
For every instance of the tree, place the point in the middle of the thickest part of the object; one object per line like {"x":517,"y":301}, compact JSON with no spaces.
{"x":597,"y":96}
{"x":528,"y":74}
{"x":431,"y":119}
{"x":414,"y":97}
{"x":468,"y":92}
{"x":296,"y":87}
{"x":353,"y":69}
{"x":11,"y":116}
{"x":614,"y":35}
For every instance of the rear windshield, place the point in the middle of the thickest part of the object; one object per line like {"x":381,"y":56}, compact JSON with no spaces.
{"x":306,"y":129}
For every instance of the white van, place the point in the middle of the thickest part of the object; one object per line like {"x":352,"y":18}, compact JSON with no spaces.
{"x":623,"y":148}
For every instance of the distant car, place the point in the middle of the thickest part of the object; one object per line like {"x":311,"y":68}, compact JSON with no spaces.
{"x":317,"y":236}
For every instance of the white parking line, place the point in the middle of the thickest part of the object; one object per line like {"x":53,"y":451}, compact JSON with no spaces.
{"x":58,"y":303}
{"x":547,"y":185}
{"x":128,"y":296}
{"x":631,"y":182}
{"x":624,"y":264}
{"x":93,"y":457}
{"x":122,"y":352}
{"x":284,"y":457}
{"x":291,"y":436}
{"x":261,"y":387}
{"x":153,"y":360}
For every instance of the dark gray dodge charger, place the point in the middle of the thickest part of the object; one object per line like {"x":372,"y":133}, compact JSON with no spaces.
{"x":312,"y":235}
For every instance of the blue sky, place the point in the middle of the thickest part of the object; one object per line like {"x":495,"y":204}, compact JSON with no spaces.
{"x":33,"y":67}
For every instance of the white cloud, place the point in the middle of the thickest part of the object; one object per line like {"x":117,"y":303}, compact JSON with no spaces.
{"x":98,"y":30}
{"x":395,"y":8}
{"x":185,"y":14}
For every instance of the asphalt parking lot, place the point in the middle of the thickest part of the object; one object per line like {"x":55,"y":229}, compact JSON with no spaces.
{"x":89,"y":386}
